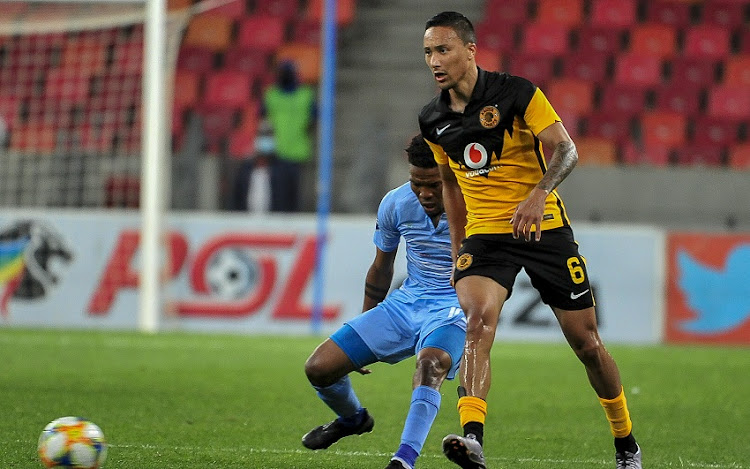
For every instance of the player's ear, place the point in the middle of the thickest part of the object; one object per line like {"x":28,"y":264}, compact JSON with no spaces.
{"x":472,"y":48}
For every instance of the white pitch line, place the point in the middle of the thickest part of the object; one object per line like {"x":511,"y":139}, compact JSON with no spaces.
{"x":589,"y":462}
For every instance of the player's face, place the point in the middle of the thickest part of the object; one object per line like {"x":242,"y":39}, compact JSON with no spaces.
{"x":427,"y":185}
{"x":447,"y":56}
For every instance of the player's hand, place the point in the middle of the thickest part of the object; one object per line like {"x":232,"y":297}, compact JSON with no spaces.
{"x":529,"y":215}
{"x":364,"y":371}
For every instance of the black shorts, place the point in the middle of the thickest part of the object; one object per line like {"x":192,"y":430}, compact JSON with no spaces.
{"x":553,"y":264}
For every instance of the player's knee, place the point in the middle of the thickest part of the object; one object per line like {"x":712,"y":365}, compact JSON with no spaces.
{"x":430,"y":369}
{"x":317,"y":371}
{"x":589,"y":352}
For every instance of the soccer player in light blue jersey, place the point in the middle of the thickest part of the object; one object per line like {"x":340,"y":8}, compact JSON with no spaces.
{"x":421,"y":318}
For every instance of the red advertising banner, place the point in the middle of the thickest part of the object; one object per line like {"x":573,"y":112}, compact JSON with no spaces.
{"x":708,"y":288}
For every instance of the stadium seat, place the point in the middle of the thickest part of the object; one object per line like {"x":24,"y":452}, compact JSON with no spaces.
{"x":563,"y":12}
{"x":571,"y":95}
{"x":693,"y":155}
{"x":692,"y":71}
{"x":345,"y":10}
{"x":195,"y":59}
{"x":33,"y":137}
{"x":242,"y":139}
{"x":598,"y":40}
{"x":65,"y":84}
{"x":307,"y":58}
{"x":227,"y":89}
{"x":624,"y":99}
{"x":95,"y":139}
{"x":88,"y":55}
{"x":306,"y":31}
{"x":122,"y":191}
{"x":500,"y":39}
{"x":127,"y":57}
{"x":739,"y":156}
{"x":262,"y":32}
{"x":186,"y":88}
{"x":590,"y":67}
{"x":545,"y":39}
{"x":715,"y":131}
{"x":638,"y":70}
{"x":610,"y":125}
{"x":707,"y":42}
{"x":729,"y":101}
{"x":595,"y":151}
{"x":685,"y":99}
{"x":489,"y":59}
{"x":232,"y":9}
{"x":744,"y":37}
{"x":253,"y":62}
{"x":663,"y":128}
{"x":208,"y":31}
{"x":670,"y":12}
{"x":619,"y":14}
{"x":737,"y":70}
{"x":173,"y":5}
{"x":216,"y":124}
{"x":654,"y":155}
{"x":571,"y":121}
{"x":726,"y":14}
{"x":530,"y":66}
{"x":653,"y":39}
{"x":286,"y":9}
{"x":503,"y":12}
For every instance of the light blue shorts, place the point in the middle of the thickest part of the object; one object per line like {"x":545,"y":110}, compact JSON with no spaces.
{"x":402,"y":325}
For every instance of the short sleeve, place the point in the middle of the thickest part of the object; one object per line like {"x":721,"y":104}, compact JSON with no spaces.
{"x":539,"y":113}
{"x":441,"y":157}
{"x":387,"y":236}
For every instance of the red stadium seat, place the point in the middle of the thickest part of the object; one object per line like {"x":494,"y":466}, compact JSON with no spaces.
{"x":530,"y":66}
{"x":685,"y":99}
{"x":623,"y":99}
{"x":595,"y":151}
{"x":692,"y":155}
{"x":638,"y":70}
{"x":216,"y":124}
{"x":242,"y":139}
{"x":591,"y":67}
{"x":571,"y":95}
{"x":307,"y":31}
{"x":692,"y":71}
{"x":186,"y":89}
{"x":65,"y":84}
{"x":227,"y":89}
{"x":662,"y":128}
{"x":737,"y":70}
{"x":728,"y":101}
{"x":286,"y":9}
{"x":564,"y":12}
{"x":122,"y":191}
{"x":489,"y":59}
{"x":503,"y":12}
{"x":498,"y":38}
{"x":545,"y":39}
{"x":714,"y":131}
{"x":739,"y":156}
{"x":598,"y":40}
{"x":726,"y":14}
{"x":253,"y":62}
{"x":654,"y":155}
{"x":345,"y":10}
{"x":745,"y":41}
{"x":262,"y":32}
{"x":707,"y":42}
{"x":653,"y":39}
{"x":613,"y":13}
{"x":609,"y":125}
{"x":195,"y":59}
{"x":232,"y":9}
{"x":673,"y":13}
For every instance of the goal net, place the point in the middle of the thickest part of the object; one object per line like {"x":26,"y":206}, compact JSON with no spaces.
{"x":71,"y":101}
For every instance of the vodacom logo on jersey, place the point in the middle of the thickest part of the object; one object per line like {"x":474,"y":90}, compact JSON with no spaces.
{"x":475,"y":155}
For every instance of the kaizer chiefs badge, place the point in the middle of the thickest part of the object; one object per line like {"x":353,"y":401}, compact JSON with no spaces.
{"x":489,"y":117}
{"x":464,"y":261}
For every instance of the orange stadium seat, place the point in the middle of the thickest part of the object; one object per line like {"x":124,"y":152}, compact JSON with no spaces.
{"x":232,"y":9}
{"x":654,"y":155}
{"x":613,"y":13}
{"x":737,"y":70}
{"x":669,"y":12}
{"x":663,"y":128}
{"x":610,"y":125}
{"x":571,"y":95}
{"x":598,"y":40}
{"x":195,"y":59}
{"x":726,"y":14}
{"x":595,"y":151}
{"x":503,"y":12}
{"x":714,"y":131}
{"x":489,"y":59}
{"x":345,"y":10}
{"x":707,"y":42}
{"x":692,"y":155}
{"x":262,"y":32}
{"x":692,"y":71}
{"x":624,"y":99}
{"x":208,"y":32}
{"x":739,"y":156}
{"x":530,"y":66}
{"x":227,"y":89}
{"x":653,"y":39}
{"x":178,"y":4}
{"x":729,"y":101}
{"x":685,"y":99}
{"x":306,"y":56}
{"x":638,"y":70}
{"x":590,"y":67}
{"x":498,"y":38}
{"x":565,"y":12}
{"x":545,"y":39}
{"x":286,"y":9}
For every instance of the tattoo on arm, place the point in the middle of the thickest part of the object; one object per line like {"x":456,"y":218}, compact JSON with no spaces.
{"x":563,"y":160}
{"x":375,"y":293}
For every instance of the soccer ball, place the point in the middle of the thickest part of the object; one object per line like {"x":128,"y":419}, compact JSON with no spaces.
{"x":232,"y":274}
{"x":72,"y":442}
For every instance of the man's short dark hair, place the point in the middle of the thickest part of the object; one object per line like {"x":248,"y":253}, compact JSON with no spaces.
{"x":419,"y":153}
{"x":456,"y":21}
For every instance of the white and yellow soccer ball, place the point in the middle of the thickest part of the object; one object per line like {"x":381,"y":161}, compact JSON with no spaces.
{"x":72,"y":442}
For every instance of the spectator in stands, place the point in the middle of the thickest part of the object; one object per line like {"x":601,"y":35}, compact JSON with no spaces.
{"x":290,"y":108}
{"x":253,"y":188}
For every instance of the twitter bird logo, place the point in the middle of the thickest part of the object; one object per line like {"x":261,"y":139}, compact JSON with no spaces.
{"x":720,"y":299}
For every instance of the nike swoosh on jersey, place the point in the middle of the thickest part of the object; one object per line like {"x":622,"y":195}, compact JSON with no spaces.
{"x":440,"y":131}
{"x":574,"y":296}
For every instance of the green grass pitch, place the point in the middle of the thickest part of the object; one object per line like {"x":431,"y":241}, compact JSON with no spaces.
{"x":180,"y":401}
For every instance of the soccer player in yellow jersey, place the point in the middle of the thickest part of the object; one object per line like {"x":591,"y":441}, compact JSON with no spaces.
{"x":486,"y":131}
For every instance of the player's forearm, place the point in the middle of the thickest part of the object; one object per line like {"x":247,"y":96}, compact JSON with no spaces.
{"x":564,"y":159}
{"x":377,"y":284}
{"x":455,"y":209}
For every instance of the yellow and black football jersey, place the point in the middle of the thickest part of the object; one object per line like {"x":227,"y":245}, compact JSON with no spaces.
{"x":493,"y":150}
